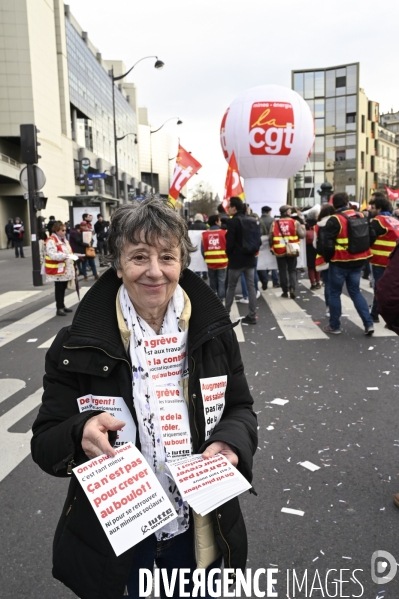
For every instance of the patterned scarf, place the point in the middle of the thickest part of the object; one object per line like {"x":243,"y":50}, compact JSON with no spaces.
{"x":146,"y":403}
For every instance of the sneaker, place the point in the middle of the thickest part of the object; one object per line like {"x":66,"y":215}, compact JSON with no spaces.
{"x":375,"y":318}
{"x":284,"y":294}
{"x":248,"y":320}
{"x":328,"y":329}
{"x":313,"y":287}
{"x":275,"y":285}
{"x":60,"y":313}
{"x":292,"y":293}
{"x":67,"y":310}
{"x":258,"y":294}
{"x":243,"y":300}
{"x":369,"y":331}
{"x":264,"y":286}
{"x":328,"y":313}
{"x":318,"y":285}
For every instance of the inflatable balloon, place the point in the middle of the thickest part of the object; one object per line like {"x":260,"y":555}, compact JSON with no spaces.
{"x":271,"y":131}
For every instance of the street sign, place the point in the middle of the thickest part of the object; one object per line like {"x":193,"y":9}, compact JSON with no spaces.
{"x":85,"y":163}
{"x":40,"y":177}
{"x":96,"y":176}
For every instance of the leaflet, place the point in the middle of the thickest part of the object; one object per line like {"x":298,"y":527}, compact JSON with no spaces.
{"x":175,"y":424}
{"x":213,"y":391}
{"x":126,"y":497}
{"x":167,"y":357}
{"x":115,"y":406}
{"x":207,"y":484}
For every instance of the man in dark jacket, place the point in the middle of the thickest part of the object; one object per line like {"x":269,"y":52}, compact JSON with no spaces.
{"x":85,"y":358}
{"x":101,"y":230}
{"x":238,"y":261}
{"x":18,"y":236}
{"x":344,"y":266}
{"x":9,"y":229}
{"x":50,"y":224}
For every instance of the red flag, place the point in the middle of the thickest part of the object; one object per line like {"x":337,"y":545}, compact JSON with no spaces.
{"x":393,"y":194}
{"x":233,"y":185}
{"x":186,"y":166}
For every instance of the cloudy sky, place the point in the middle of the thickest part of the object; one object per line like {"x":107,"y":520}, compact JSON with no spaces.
{"x":215,"y":49}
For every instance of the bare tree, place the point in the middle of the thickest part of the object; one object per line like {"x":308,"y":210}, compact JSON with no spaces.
{"x":202,"y":199}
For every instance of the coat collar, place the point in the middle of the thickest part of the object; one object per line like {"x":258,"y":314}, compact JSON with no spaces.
{"x":95,"y":323}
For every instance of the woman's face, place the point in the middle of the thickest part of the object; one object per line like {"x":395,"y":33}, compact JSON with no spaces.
{"x":150,"y":273}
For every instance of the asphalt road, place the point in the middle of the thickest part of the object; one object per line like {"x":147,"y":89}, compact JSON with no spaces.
{"x":331,"y":420}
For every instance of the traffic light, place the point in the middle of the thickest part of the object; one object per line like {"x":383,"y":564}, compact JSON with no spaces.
{"x":29,"y":144}
{"x":39,"y":201}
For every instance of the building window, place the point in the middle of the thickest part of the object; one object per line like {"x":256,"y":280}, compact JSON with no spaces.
{"x":351,"y":117}
{"x":362,"y":160}
{"x":363,"y":123}
{"x":372,"y":164}
{"x":340,"y":155}
{"x":340,"y":81}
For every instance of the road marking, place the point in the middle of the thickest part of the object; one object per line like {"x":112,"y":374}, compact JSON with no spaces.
{"x":15,"y":447}
{"x":30,"y":322}
{"x":349,"y":309}
{"x":12,"y":297}
{"x":234,"y":316}
{"x":47,"y":343}
{"x":293,"y":322}
{"x":10,"y":386}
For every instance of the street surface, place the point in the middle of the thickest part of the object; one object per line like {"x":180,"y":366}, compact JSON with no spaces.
{"x":331,"y":419}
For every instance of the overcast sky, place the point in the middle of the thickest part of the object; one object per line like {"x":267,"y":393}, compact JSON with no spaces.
{"x":215,"y":49}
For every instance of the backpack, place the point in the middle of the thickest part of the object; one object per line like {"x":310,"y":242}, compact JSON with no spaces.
{"x":358,"y":233}
{"x":250,"y":234}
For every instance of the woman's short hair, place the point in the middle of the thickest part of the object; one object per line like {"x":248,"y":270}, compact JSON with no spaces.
{"x":57,"y":226}
{"x":326,"y":210}
{"x":152,"y":220}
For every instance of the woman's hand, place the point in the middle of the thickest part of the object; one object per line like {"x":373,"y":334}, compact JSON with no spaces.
{"x":224,"y":449}
{"x":95,"y":435}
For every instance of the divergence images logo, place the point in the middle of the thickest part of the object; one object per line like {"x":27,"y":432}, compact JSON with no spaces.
{"x":383,"y":567}
{"x":271,"y":128}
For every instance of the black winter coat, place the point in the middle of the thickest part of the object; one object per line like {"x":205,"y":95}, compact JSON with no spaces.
{"x":86,"y":358}
{"x":237,"y":259}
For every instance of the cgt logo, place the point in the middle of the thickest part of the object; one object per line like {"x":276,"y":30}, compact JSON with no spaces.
{"x":383,"y":567}
{"x":271,"y":128}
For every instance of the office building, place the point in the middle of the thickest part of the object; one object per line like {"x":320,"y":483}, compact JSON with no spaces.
{"x":390,"y":121}
{"x":346,"y":127}
{"x":52,"y":76}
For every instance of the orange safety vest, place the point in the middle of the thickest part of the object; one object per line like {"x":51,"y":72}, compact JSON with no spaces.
{"x":53,"y":267}
{"x":385,"y":244}
{"x":283,"y":230}
{"x":319,"y":259}
{"x":341,"y":253}
{"x":214,"y":243}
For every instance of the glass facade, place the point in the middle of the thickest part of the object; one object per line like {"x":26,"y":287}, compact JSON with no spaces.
{"x":90,"y":91}
{"x":332,"y":97}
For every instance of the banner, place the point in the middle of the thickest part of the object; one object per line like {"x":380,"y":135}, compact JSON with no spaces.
{"x":393,"y":194}
{"x":186,"y":167}
{"x":233,"y":185}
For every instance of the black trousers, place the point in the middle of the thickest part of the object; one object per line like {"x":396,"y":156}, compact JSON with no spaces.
{"x":60,"y":287}
{"x":287,"y":272}
{"x":19,"y":243}
{"x":102,"y":249}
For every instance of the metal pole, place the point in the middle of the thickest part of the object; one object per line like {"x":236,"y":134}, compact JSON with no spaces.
{"x":151,"y":160}
{"x":115,"y":135}
{"x":37,"y":277}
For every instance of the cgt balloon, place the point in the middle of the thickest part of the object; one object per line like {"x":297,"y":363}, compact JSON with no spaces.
{"x":270,"y":129}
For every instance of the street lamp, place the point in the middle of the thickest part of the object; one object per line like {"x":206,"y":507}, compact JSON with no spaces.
{"x":172,"y":118}
{"x":158,"y":65}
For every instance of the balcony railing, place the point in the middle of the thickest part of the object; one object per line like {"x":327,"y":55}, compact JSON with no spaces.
{"x":11,"y":161}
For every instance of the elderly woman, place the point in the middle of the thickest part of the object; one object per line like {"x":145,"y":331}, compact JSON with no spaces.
{"x":58,"y":264}
{"x":148,"y":292}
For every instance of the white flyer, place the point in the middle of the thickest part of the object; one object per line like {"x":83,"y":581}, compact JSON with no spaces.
{"x":174,"y":421}
{"x":167,"y":357}
{"x":213,"y":391}
{"x":126,"y":496}
{"x":115,"y":406}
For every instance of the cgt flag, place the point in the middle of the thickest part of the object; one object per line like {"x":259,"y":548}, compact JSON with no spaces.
{"x":186,"y":167}
{"x":393,"y":194}
{"x":233,"y":185}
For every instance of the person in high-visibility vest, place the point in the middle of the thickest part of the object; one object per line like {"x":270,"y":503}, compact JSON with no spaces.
{"x":345,"y":267}
{"x":386,"y":228}
{"x":213,"y":248}
{"x":58,"y":264}
{"x":321,"y":265}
